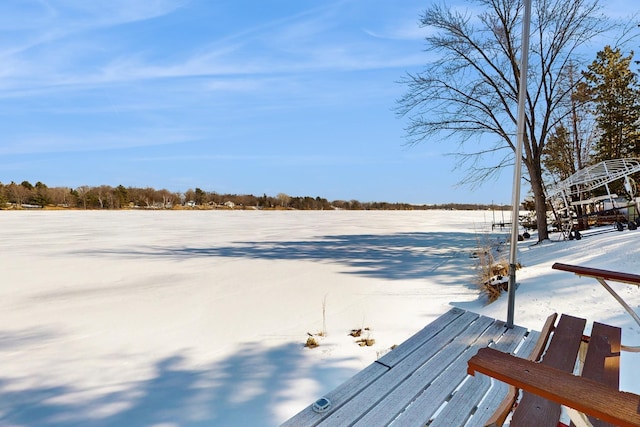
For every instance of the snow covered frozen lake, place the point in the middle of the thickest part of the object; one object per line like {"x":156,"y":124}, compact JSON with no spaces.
{"x":198,"y":318}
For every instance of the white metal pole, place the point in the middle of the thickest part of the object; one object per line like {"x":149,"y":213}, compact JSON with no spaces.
{"x":517,"y":172}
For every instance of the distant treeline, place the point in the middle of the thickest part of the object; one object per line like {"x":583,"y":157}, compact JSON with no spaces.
{"x":26,"y":195}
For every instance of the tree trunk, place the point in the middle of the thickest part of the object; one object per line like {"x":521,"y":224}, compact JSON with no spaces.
{"x":535,"y":174}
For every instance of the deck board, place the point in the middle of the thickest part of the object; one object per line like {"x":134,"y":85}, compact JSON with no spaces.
{"x":428,"y":332}
{"x":339,"y":396}
{"x":412,"y":382}
{"x":465,"y":400}
{"x":396,"y":401}
{"x":499,"y":390}
{"x":376,"y":392}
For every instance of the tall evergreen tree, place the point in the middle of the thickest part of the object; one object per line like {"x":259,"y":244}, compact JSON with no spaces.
{"x":121,"y":196}
{"x":615,"y":94}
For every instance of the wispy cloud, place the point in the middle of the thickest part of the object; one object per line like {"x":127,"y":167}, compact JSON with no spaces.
{"x":40,"y":22}
{"x":303,"y":42}
{"x":278,"y":159}
{"x":52,"y":142}
{"x":405,"y":30}
{"x":68,"y":16}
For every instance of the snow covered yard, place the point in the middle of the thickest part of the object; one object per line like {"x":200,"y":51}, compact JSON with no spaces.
{"x":199,"y":318}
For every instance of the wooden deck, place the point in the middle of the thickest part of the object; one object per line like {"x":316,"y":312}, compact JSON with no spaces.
{"x":424,"y":380}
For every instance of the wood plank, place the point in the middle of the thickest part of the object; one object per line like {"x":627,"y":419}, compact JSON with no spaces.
{"x":543,"y":340}
{"x":360,"y":402}
{"x":467,"y":398}
{"x":565,"y":343}
{"x":526,"y":350}
{"x":617,"y":276}
{"x":582,"y":394}
{"x":428,"y":403}
{"x":339,"y":396}
{"x":495,"y":407}
{"x":418,"y":339}
{"x":396,"y":402}
{"x":492,"y":411}
{"x":602,"y":363}
{"x":533,"y":410}
{"x":502,"y":395}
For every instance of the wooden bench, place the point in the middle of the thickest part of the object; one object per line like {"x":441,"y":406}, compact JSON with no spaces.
{"x":424,"y":380}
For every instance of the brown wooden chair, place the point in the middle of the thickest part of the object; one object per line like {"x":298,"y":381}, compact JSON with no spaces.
{"x":577,"y":371}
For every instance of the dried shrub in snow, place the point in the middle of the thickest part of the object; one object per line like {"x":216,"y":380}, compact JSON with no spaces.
{"x":312,"y":342}
{"x":366,"y":342}
{"x":493,"y":275}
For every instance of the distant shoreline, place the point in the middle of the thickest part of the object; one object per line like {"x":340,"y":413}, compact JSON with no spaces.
{"x":388,"y":207}
{"x":105,"y":197}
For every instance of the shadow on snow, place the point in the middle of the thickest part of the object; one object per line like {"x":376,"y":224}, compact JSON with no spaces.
{"x":239,"y":390}
{"x":392,"y":256}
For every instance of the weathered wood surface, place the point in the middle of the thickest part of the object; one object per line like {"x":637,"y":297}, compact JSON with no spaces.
{"x":532,"y":349}
{"x":470,"y":395}
{"x":583,"y":394}
{"x":534,"y":410}
{"x":602,"y":362}
{"x":587,"y":387}
{"x":424,"y":379}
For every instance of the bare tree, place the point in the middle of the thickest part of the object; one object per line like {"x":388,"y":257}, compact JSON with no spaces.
{"x":104,"y":193}
{"x":60,"y":196}
{"x":189,"y":196}
{"x":283,"y":200}
{"x":83,"y":194}
{"x":470,"y":90}
{"x":167,"y":198}
{"x":148,"y":196}
{"x":18,"y":194}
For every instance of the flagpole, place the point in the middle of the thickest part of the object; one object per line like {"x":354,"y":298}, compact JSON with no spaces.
{"x":517,"y":172}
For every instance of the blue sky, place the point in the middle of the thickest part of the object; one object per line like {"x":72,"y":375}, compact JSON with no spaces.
{"x":235,"y":96}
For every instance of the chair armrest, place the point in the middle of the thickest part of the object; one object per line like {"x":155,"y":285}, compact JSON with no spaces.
{"x":582,"y":394}
{"x":616,"y":276}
